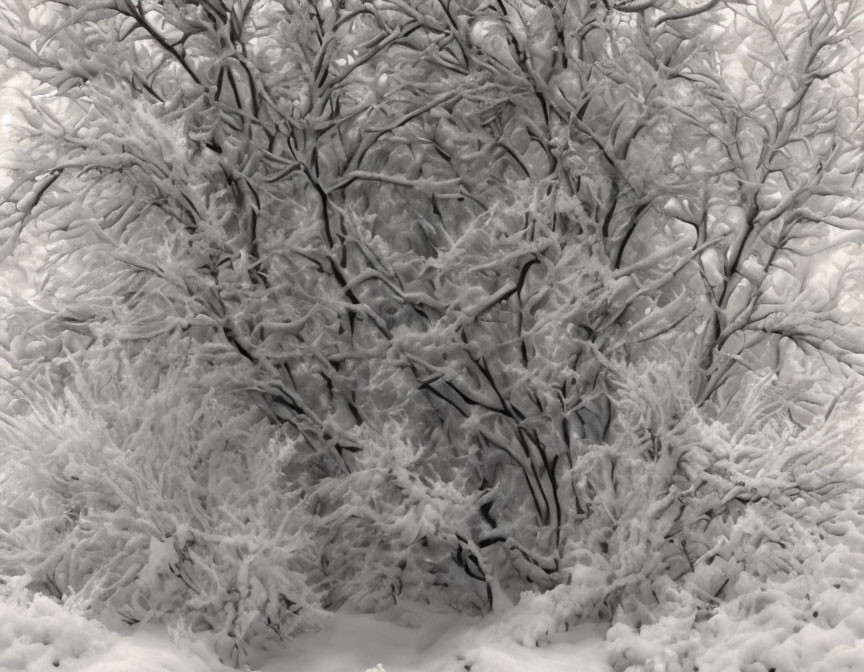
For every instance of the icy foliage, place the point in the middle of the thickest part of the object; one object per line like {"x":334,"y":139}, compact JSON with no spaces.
{"x":138,"y":495}
{"x":807,"y":619}
{"x":390,"y":527}
{"x":465,"y":302}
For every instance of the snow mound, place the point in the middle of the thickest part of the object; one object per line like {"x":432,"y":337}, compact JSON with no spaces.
{"x":38,"y":635}
{"x":811,"y":620}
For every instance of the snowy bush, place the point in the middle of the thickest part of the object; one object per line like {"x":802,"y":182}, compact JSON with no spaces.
{"x":139,"y":495}
{"x":806,"y":619}
{"x":810,"y":619}
{"x":770,"y":576}
{"x":391,"y":528}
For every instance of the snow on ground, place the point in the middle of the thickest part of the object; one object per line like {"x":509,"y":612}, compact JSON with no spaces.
{"x":41,"y":636}
{"x":412,"y":639}
{"x":810,"y":622}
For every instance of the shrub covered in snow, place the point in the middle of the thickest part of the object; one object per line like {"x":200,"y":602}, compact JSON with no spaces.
{"x":391,"y":527}
{"x":807,"y":619}
{"x":791,"y":576}
{"x":138,"y":494}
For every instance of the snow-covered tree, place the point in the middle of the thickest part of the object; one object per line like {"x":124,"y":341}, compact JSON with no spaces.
{"x":547,"y":281}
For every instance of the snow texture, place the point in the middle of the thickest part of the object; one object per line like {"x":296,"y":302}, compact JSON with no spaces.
{"x":413,"y":639}
{"x":44,"y":635}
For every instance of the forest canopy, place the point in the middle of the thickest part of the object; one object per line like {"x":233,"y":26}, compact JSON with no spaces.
{"x":440,"y":300}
